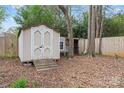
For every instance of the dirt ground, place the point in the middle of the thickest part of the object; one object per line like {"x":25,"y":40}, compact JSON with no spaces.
{"x":78,"y":72}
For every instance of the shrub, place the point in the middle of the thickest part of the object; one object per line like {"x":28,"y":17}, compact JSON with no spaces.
{"x":20,"y":83}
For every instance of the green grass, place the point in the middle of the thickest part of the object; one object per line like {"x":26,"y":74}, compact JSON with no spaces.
{"x":20,"y":83}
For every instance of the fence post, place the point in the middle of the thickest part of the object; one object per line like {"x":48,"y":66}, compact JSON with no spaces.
{"x":5,"y":44}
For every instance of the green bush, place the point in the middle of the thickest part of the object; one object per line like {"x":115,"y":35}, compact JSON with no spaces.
{"x":20,"y":83}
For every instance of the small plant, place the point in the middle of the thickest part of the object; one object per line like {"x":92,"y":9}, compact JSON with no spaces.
{"x":20,"y":83}
{"x":36,"y":84}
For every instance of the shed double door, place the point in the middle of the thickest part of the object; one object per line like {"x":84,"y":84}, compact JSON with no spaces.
{"x":41,"y":44}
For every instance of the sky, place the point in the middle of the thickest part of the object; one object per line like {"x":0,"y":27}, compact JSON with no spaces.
{"x":11,"y":11}
{"x":9,"y":21}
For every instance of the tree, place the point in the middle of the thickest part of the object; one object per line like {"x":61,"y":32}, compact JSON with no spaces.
{"x":91,"y":31}
{"x":102,"y":14}
{"x":99,"y":25}
{"x":32,"y":15}
{"x":66,"y":13}
{"x":2,"y":14}
{"x":93,"y":28}
{"x":113,"y":26}
{"x":98,"y":20}
{"x":80,"y":26}
{"x":89,"y":28}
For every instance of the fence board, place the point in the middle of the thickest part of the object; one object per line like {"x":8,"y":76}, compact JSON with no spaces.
{"x":8,"y":45}
{"x":110,"y":46}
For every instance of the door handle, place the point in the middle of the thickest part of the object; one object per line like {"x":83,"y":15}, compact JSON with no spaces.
{"x":41,"y":46}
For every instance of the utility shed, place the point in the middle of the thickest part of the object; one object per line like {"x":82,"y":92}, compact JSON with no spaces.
{"x":39,"y":42}
{"x":64,"y":44}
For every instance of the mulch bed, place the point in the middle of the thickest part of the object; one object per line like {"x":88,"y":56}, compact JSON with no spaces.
{"x":80,"y":71}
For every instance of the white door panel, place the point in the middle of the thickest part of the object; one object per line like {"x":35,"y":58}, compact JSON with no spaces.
{"x":37,"y":43}
{"x":41,"y":43}
{"x":47,"y":44}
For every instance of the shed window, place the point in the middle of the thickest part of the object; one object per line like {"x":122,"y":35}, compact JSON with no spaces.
{"x":61,"y":45}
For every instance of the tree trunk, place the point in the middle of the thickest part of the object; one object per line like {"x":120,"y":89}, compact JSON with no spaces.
{"x":101,"y":29}
{"x":100,"y":38}
{"x":98,"y":21}
{"x":69,"y":29}
{"x":89,"y":29}
{"x":70,"y":37}
{"x":92,"y":46}
{"x":95,"y":28}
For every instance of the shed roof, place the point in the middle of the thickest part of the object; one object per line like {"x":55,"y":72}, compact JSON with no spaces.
{"x":23,"y":29}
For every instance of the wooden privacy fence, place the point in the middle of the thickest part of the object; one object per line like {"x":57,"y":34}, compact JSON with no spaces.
{"x":110,"y":46}
{"x":8,"y":45}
